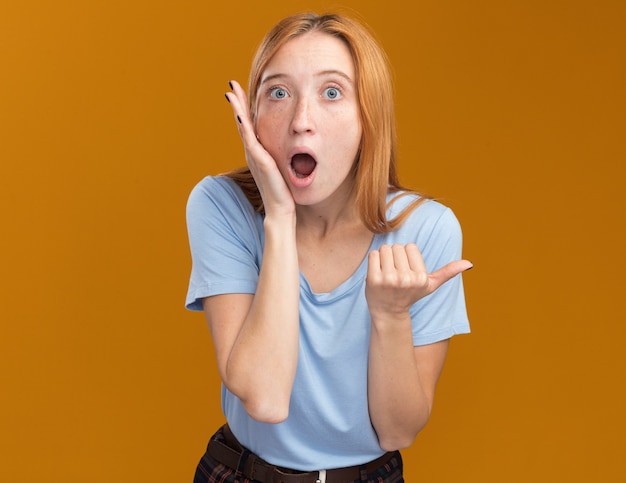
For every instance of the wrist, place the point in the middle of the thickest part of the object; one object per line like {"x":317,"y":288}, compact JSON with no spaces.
{"x":280,"y":232}
{"x":279,"y":222}
{"x":391,"y":321}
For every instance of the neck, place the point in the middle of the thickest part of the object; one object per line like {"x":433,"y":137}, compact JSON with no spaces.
{"x":321,"y":221}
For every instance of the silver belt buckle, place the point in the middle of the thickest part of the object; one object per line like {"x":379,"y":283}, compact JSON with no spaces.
{"x":322,"y":477}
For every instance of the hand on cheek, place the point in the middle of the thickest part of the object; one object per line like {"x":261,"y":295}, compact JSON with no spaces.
{"x":277,"y":198}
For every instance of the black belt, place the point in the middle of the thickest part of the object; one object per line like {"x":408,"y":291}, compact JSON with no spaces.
{"x":229,"y":454}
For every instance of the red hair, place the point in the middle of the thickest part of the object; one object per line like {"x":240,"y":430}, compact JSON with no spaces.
{"x":375,"y":168}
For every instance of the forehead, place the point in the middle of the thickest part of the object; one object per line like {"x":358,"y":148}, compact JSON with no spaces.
{"x":311,"y":52}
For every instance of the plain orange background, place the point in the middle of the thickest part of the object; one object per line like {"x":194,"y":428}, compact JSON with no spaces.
{"x":511,"y":112}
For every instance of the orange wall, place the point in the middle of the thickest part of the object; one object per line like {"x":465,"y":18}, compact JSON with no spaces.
{"x":511,"y":112}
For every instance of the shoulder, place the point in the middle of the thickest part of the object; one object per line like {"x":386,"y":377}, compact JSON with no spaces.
{"x":218,"y":194}
{"x":429,"y":214}
{"x":431,"y":225}
{"x":215,"y":187}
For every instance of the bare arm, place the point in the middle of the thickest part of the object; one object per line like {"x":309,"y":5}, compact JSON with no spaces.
{"x":401,"y":378}
{"x":256,"y":336}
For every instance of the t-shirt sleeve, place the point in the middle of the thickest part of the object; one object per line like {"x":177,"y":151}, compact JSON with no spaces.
{"x":443,"y":313}
{"x":224,"y":242}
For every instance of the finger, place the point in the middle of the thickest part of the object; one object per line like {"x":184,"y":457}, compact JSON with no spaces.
{"x":400,"y":258}
{"x":231,"y":96}
{"x":386,"y":258}
{"x":373,"y":264}
{"x":414,"y":257}
{"x":239,"y":94}
{"x":447,"y":272}
{"x":239,"y":103}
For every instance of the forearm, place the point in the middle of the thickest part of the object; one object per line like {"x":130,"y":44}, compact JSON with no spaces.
{"x":398,"y":403}
{"x":262,"y":363}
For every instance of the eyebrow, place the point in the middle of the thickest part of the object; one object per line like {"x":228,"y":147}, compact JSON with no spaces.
{"x":319,"y":74}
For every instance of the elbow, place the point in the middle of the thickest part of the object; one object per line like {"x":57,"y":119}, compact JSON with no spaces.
{"x":266,"y":412}
{"x":265,"y":405}
{"x":401,"y":437}
{"x":396,"y":443}
{"x":269,"y":417}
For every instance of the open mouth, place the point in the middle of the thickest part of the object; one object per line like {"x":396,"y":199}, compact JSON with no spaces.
{"x":303,"y":165}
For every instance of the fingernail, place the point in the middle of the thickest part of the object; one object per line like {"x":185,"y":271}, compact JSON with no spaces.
{"x":238,"y":118}
{"x":226,"y":97}
{"x":469,"y":268}
{"x":230,"y":84}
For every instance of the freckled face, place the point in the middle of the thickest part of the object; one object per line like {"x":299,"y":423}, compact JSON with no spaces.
{"x":308,"y":117}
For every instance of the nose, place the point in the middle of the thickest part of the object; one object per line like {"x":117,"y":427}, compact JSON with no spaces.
{"x":302,"y":120}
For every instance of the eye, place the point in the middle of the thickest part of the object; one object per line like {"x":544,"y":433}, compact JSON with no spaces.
{"x":278,"y":93}
{"x":332,"y":93}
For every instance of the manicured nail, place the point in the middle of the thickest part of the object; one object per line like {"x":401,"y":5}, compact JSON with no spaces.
{"x":230,"y":84}
{"x":238,"y":118}
{"x":226,"y":97}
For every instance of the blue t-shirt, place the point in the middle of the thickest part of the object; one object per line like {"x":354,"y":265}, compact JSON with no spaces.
{"x":328,"y":424}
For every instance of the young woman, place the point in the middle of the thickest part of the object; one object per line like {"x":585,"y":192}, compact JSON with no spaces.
{"x":330,"y":291}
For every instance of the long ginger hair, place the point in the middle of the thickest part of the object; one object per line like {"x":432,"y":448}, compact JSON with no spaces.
{"x":375,"y":167}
